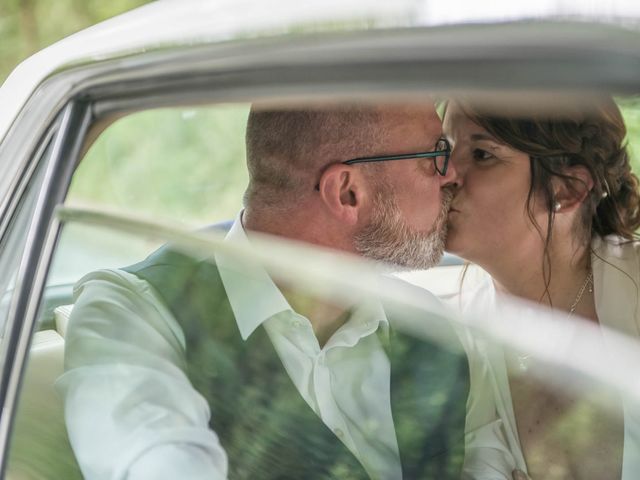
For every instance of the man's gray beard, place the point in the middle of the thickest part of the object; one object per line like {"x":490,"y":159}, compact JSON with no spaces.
{"x":389,"y":239}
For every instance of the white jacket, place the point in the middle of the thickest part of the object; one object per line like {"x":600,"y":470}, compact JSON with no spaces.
{"x":493,"y":448}
{"x":616,"y":280}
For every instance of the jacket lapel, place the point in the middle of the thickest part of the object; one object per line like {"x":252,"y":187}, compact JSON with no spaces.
{"x":616,"y":281}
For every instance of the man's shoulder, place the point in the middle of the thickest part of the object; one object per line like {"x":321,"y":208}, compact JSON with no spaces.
{"x":171,"y":268}
{"x":170,"y":257}
{"x":189,"y":286}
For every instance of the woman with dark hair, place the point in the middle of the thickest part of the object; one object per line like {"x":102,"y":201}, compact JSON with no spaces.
{"x":549,"y":207}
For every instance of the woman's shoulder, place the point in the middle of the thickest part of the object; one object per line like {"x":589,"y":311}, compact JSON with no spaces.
{"x":615,"y":244}
{"x":615,"y":263}
{"x":615,"y":251}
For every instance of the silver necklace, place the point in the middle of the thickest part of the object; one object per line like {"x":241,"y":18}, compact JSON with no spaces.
{"x":524,"y":359}
{"x":588,"y":282}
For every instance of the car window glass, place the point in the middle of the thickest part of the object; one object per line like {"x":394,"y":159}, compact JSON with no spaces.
{"x":40,"y":445}
{"x":53,"y":432}
{"x":184,"y":164}
{"x":138,"y":353}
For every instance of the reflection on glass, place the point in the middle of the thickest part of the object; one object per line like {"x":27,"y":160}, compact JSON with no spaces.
{"x":227,"y":353}
{"x":40,"y":445}
{"x":295,"y":384}
{"x":379,"y":383}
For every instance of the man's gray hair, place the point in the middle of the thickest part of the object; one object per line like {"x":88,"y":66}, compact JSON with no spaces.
{"x":287,"y":149}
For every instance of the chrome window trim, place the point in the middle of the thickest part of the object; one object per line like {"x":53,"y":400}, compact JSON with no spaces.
{"x":35,"y":263}
{"x":24,"y":180}
{"x":24,"y":136}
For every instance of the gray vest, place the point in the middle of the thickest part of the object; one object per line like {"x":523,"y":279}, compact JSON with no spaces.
{"x":265,"y":426}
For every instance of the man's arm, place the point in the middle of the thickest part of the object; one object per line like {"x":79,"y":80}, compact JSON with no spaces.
{"x":130,"y":410}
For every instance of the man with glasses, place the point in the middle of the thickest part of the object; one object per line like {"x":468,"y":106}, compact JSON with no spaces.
{"x":212,"y":369}
{"x":383,"y":186}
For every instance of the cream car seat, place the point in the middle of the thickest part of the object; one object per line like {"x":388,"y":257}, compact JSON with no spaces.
{"x":40,"y":447}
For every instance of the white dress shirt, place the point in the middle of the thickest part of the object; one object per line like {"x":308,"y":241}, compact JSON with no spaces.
{"x":132,"y":413}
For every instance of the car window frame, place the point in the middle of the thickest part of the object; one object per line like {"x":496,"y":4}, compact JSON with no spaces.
{"x":35,"y":261}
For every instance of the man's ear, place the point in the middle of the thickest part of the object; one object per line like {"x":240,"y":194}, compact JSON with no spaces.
{"x":570,"y":193}
{"x":342,"y":189}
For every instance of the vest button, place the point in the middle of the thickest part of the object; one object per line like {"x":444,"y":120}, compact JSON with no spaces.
{"x":339,"y":433}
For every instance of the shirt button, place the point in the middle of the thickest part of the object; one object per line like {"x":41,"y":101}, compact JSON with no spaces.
{"x":339,"y":433}
{"x":295,"y":323}
{"x":371,"y":426}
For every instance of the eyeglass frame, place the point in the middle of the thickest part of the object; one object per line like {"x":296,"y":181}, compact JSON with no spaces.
{"x":409,"y":156}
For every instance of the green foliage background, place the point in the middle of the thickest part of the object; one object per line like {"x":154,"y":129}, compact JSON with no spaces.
{"x":27,"y":26}
{"x":189,"y":164}
{"x":177,"y":164}
{"x":631,"y":112}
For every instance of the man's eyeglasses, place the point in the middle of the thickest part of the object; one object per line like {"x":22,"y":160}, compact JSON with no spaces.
{"x":440,"y":157}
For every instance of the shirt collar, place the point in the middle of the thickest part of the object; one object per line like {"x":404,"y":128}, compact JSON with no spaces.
{"x":253,"y":295}
{"x":364,"y":320}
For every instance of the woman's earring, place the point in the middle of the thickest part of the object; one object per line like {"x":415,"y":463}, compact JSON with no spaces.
{"x":605,"y":193}
{"x":557,"y":206}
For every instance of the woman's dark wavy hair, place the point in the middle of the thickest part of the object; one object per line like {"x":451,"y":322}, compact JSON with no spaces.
{"x":594,"y":138}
